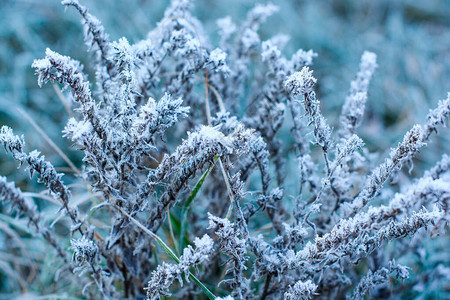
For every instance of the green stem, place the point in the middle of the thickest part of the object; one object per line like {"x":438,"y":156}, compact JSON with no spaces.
{"x":168,"y":250}
{"x":172,"y":236}
{"x":190,"y":200}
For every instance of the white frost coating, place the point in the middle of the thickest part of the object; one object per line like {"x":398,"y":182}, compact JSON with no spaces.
{"x":217,"y":56}
{"x":303,"y":57}
{"x":78,"y":130}
{"x":354,"y":106}
{"x":269,"y":51}
{"x":218,"y":59}
{"x":226,"y":26}
{"x":301,"y":291}
{"x":250,"y":39}
{"x":301,"y":82}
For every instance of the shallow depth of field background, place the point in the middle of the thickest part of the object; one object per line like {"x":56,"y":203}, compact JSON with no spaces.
{"x":411,"y":39}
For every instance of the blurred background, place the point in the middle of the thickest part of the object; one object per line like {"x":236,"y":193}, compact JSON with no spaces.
{"x":411,"y":39}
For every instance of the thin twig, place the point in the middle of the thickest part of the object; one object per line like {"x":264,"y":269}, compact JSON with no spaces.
{"x":224,"y":173}
{"x":49,"y":141}
{"x":63,"y":100}
{"x":166,"y":248}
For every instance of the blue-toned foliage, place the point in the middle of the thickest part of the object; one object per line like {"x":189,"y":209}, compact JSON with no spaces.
{"x":217,"y":126}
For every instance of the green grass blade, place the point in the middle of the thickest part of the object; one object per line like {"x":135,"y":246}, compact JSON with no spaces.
{"x":189,"y":202}
{"x":172,"y":236}
{"x":199,"y":185}
{"x":167,"y":249}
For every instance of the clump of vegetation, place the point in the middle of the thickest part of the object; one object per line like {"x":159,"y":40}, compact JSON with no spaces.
{"x":185,"y":187}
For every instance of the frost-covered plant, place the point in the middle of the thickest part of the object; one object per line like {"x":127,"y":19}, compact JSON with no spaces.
{"x":379,"y":277}
{"x":165,"y":274}
{"x":183,"y":138}
{"x":301,"y":290}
